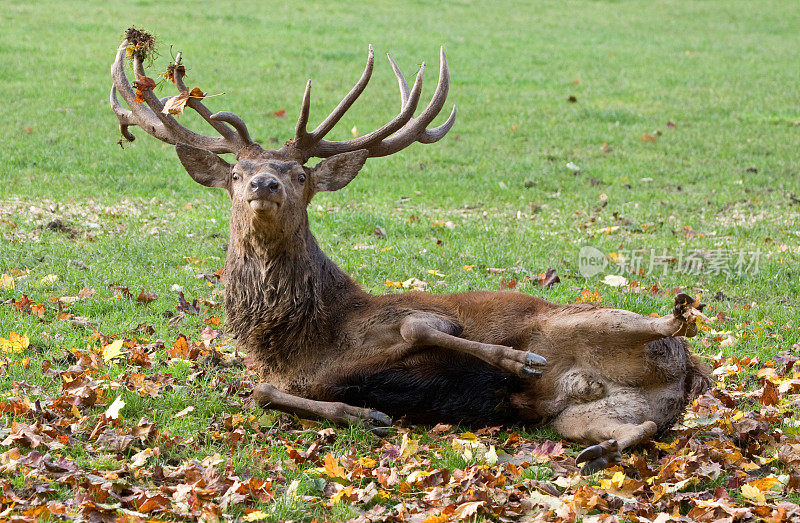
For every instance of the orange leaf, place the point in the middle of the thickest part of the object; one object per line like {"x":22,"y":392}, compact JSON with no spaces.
{"x":197,"y":93}
{"x":646,"y":137}
{"x":280,"y":113}
{"x":332,"y":467}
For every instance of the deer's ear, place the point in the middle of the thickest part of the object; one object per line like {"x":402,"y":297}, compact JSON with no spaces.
{"x":205,"y":167}
{"x":337,"y":171}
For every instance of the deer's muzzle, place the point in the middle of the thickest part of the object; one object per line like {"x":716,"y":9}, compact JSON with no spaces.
{"x":266,"y":193}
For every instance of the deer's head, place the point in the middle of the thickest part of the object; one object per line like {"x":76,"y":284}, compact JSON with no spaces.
{"x":270,"y":189}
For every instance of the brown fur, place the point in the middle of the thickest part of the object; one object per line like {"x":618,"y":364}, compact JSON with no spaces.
{"x":327,"y":348}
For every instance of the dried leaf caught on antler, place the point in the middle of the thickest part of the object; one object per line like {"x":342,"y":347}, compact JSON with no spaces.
{"x":177,"y":103}
{"x":142,"y":83}
{"x":169,"y":74}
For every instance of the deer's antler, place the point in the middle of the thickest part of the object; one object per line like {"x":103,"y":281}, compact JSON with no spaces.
{"x":398,"y":134}
{"x":164,"y":126}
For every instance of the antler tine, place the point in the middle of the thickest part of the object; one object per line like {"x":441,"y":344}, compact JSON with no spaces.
{"x":325,"y":148}
{"x":164,"y":126}
{"x":138,"y":114}
{"x":401,"y":80}
{"x":234,"y":120}
{"x":437,"y":133}
{"x":300,"y":133}
{"x":179,"y":132}
{"x":306,"y":140}
{"x":214,"y":119}
{"x":125,"y":116}
{"x":415,"y":130}
{"x":399,"y":133}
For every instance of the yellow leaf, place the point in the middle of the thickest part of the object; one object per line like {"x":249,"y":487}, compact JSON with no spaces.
{"x":112,"y":412}
{"x":344,"y":493}
{"x":112,"y":350}
{"x":437,"y":273}
{"x":437,"y":518}
{"x":366,"y":462}
{"x":354,"y":131}
{"x":14,"y":343}
{"x":408,"y":447}
{"x":469,"y":436}
{"x":753,"y":494}
{"x":6,"y":282}
{"x":618,"y":479}
{"x":468,"y":267}
{"x":256,"y":515}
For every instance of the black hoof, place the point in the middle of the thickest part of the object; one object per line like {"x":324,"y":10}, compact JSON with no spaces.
{"x":380,"y":418}
{"x":534,"y":359}
{"x":589,"y":453}
{"x":597,"y":457}
{"x":596,"y":465}
{"x":531,"y":373}
{"x":381,"y":432}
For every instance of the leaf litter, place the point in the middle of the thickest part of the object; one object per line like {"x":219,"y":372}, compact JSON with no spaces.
{"x":735,"y":456}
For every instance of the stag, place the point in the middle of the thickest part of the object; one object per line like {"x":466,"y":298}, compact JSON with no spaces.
{"x":609,"y":378}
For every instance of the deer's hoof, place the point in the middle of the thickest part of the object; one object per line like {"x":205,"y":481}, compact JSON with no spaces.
{"x":534,"y":359}
{"x":597,"y":457}
{"x":378,"y":423}
{"x":531,"y":373}
{"x":380,"y":418}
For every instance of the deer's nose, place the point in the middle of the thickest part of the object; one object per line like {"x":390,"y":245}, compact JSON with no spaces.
{"x":261,"y":184}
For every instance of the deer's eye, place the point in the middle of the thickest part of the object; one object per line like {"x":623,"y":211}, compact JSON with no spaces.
{"x":236,"y":177}
{"x":301,"y":178}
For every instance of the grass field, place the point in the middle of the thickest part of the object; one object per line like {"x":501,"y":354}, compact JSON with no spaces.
{"x":681,"y":121}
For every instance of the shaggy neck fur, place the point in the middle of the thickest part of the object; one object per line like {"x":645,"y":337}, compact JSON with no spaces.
{"x":283,"y":294}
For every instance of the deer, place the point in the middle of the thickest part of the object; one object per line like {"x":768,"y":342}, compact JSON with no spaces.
{"x":326,"y":348}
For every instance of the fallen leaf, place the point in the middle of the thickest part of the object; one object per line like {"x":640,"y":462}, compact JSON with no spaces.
{"x":753,"y":494}
{"x":184,"y":412}
{"x":615,"y":280}
{"x":146,"y":297}
{"x":112,"y":412}
{"x":112,"y":350}
{"x":333,"y":469}
{"x":15,"y":343}
{"x":6,"y":282}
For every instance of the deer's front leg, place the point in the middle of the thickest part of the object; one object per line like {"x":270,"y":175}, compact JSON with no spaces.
{"x":269,"y":397}
{"x":427,"y":329}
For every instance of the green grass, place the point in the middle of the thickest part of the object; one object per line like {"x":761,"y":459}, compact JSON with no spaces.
{"x":725,"y":73}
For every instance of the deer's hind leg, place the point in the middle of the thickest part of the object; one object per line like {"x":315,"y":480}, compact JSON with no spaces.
{"x":422,"y":329}
{"x":600,"y":325}
{"x":608,"y":432}
{"x":267,"y":396}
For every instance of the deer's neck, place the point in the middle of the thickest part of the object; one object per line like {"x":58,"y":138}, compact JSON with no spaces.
{"x":283,"y":297}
